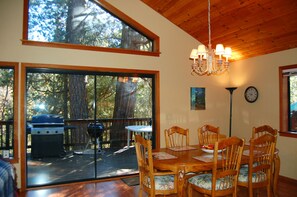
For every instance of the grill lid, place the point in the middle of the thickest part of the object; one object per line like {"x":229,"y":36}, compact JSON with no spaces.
{"x":47,"y":120}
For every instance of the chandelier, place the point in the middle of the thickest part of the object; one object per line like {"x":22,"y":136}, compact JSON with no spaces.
{"x":210,"y":61}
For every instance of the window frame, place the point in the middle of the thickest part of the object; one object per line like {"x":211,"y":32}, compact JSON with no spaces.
{"x":14,"y":65}
{"x":284,"y":103}
{"x":155,"y":39}
{"x":25,"y":66}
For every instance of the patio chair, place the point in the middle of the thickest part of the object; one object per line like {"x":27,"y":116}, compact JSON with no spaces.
{"x":151,"y":181}
{"x":176,"y":136}
{"x":208,"y":134}
{"x":258,"y":172}
{"x":222,"y":180}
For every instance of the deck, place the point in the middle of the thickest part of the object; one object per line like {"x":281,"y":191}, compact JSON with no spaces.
{"x":75,"y":166}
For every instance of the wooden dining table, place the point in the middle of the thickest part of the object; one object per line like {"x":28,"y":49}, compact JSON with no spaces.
{"x":190,"y":159}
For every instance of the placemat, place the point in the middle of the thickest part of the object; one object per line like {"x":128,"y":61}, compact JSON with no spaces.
{"x":207,"y":158}
{"x":256,"y":152}
{"x":182,"y":148}
{"x":163,"y":155}
{"x":204,"y":158}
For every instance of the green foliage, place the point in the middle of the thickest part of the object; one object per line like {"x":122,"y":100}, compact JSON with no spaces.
{"x":80,"y":22}
{"x":6,"y":93}
{"x":45,"y":93}
{"x":293,"y":89}
{"x":50,"y":90}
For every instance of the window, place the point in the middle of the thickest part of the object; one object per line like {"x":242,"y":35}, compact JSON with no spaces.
{"x":85,"y":25}
{"x":288,"y":100}
{"x":8,"y":110}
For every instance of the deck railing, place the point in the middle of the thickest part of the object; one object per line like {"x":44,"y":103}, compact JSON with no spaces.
{"x":6,"y":135}
{"x":75,"y":135}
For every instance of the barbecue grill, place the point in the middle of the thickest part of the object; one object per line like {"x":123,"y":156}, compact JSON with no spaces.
{"x":95,"y":132}
{"x":47,"y":134}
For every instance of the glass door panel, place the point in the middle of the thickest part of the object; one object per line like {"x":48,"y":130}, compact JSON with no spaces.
{"x":76,"y":124}
{"x":57,"y":122}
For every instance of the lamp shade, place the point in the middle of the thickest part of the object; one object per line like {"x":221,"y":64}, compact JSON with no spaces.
{"x":201,"y":49}
{"x":220,"y":49}
{"x":228,"y":52}
{"x":194,"y":54}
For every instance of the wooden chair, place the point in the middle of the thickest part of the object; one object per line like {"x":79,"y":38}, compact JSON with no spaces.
{"x":151,"y":181}
{"x":208,"y":134}
{"x":262,"y":130}
{"x":176,"y":136}
{"x":258,"y":172}
{"x":224,"y":171}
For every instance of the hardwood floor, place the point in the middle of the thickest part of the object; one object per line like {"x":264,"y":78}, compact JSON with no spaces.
{"x":117,"y":188}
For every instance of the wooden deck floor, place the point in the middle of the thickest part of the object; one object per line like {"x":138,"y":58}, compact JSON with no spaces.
{"x":78,"y":167}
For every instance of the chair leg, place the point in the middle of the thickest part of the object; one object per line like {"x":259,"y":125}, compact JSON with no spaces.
{"x":235,"y":192}
{"x":250,"y":189}
{"x":140,"y":192}
{"x":268,"y":190}
{"x":276,"y":174}
{"x":190,"y":190}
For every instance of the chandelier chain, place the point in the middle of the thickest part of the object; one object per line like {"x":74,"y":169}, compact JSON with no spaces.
{"x":209,"y":27}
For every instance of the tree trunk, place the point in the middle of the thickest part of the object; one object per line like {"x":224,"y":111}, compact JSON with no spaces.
{"x":77,"y":85}
{"x":125,"y":100}
{"x":78,"y":97}
{"x":78,"y":106}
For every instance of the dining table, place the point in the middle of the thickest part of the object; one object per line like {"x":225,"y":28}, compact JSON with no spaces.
{"x":191,"y":159}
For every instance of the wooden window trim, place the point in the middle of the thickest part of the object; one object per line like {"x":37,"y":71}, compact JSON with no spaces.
{"x":15,"y":158}
{"x":115,"y":11}
{"x":288,"y":134}
{"x":283,"y":103}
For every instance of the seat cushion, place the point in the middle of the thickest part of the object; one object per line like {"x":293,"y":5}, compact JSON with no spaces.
{"x":205,"y":181}
{"x":256,"y":177}
{"x":161,"y":182}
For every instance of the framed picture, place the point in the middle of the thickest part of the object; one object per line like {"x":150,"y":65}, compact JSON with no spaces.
{"x":197,"y":98}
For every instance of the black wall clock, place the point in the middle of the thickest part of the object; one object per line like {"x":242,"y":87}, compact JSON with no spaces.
{"x":251,"y":94}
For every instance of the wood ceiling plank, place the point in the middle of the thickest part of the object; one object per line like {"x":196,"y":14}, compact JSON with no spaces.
{"x":252,"y":28}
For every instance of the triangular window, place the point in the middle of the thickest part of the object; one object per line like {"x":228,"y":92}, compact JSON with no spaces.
{"x":85,"y":24}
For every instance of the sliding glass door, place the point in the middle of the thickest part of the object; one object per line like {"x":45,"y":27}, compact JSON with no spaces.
{"x":75,"y":123}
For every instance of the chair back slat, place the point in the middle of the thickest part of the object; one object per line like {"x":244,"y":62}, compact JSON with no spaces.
{"x":262,"y":130}
{"x":208,"y":134}
{"x":176,"y":136}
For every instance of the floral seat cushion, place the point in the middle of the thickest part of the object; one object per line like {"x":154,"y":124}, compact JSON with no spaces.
{"x":205,"y":181}
{"x":256,"y":177}
{"x":161,"y":182}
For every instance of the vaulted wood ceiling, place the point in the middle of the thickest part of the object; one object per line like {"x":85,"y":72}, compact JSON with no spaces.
{"x":250,"y":27}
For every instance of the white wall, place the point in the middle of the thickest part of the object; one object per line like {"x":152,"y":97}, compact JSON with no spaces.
{"x":175,"y":77}
{"x":262,"y":72}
